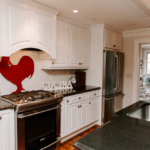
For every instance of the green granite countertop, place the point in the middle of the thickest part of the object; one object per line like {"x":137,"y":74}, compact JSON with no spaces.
{"x":122,"y":133}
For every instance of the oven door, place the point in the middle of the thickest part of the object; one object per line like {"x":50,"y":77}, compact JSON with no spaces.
{"x":39,"y":129}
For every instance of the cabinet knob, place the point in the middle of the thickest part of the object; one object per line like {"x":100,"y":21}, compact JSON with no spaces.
{"x":114,"y":45}
{"x":78,"y":106}
{"x":89,"y":102}
{"x":67,"y":101}
{"x":0,"y":117}
{"x":95,"y":94}
{"x":81,"y":63}
{"x":79,"y":97}
{"x":52,"y":63}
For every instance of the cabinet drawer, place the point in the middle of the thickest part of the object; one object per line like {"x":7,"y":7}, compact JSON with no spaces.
{"x":79,"y":97}
{"x":94,"y":94}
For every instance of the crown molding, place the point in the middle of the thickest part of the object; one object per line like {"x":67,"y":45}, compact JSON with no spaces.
{"x":72,"y":22}
{"x":98,"y":26}
{"x":137,"y":32}
{"x":106,"y":26}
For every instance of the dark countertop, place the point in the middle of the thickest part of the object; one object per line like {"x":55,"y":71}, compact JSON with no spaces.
{"x":122,"y":133}
{"x":78,"y":91}
{"x":5,"y":105}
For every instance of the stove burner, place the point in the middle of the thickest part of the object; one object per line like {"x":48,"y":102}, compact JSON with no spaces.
{"x":25,"y":97}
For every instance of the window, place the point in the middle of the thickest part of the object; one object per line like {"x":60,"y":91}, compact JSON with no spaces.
{"x":148,"y":63}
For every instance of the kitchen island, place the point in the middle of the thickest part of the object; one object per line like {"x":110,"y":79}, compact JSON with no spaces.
{"x":122,"y":133}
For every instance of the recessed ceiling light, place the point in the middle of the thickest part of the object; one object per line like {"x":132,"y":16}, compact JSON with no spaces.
{"x":95,"y":19}
{"x":75,"y":11}
{"x":132,"y":25}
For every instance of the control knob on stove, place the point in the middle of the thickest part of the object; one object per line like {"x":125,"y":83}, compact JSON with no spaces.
{"x":21,"y":101}
{"x":26,"y":101}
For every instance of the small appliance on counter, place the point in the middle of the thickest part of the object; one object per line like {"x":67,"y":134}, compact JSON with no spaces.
{"x":80,"y":79}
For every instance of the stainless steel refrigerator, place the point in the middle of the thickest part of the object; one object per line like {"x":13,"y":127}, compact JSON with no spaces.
{"x":113,"y":63}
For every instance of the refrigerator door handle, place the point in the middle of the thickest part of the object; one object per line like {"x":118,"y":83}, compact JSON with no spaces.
{"x":118,"y":62}
{"x":116,"y":72}
{"x":113,"y":97}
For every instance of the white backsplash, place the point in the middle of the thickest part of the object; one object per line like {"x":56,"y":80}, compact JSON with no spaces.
{"x":39,"y":76}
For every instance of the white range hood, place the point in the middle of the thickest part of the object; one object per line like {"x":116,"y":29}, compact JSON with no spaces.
{"x":27,"y":24}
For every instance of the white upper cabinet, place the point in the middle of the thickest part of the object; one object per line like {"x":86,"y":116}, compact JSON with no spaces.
{"x":85,"y":48}
{"x":79,"y":47}
{"x":7,"y":130}
{"x":74,"y":46}
{"x":27,"y":24}
{"x":112,"y":40}
{"x":61,"y":46}
{"x":117,"y":41}
{"x":108,"y":39}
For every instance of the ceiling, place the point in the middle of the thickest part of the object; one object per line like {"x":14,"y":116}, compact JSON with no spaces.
{"x":116,"y":13}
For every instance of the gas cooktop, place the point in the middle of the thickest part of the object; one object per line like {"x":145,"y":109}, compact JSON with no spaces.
{"x":32,"y":99}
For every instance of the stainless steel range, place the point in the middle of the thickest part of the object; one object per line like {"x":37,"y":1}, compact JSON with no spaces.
{"x":37,"y":119}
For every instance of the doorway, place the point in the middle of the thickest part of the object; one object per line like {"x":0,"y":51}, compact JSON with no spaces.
{"x":136,"y":70}
{"x":144,"y":89}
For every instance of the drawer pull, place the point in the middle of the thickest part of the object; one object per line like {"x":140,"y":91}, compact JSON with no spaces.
{"x":114,"y":45}
{"x":78,"y":106}
{"x":89,"y":102}
{"x":79,"y":97}
{"x":95,"y":94}
{"x":52,"y":63}
{"x":67,"y":101}
{"x":0,"y":117}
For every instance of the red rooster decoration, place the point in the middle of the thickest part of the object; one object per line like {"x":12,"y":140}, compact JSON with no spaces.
{"x":17,"y":73}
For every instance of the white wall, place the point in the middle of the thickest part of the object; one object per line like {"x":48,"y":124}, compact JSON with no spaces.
{"x":94,"y":74}
{"x":39,"y":76}
{"x":128,"y":49}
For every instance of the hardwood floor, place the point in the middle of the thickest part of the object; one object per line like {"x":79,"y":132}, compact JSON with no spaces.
{"x":68,"y":144}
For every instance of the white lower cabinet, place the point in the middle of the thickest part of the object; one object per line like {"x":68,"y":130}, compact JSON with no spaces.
{"x":7,"y":134}
{"x":73,"y":117}
{"x":93,"y":109}
{"x":63,"y":118}
{"x":79,"y":111}
{"x":84,"y":113}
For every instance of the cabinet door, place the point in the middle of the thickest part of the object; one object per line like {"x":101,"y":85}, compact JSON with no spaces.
{"x":84,"y":107}
{"x":108,"y":39}
{"x":85,"y":48}
{"x":63,"y":119}
{"x":74,"y":46}
{"x":7,"y":137}
{"x":73,"y":117}
{"x":17,"y":25}
{"x":117,"y":41}
{"x":93,"y":109}
{"x":62,"y":46}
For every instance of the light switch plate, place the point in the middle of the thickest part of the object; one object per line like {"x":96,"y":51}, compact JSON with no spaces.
{"x":128,"y":75}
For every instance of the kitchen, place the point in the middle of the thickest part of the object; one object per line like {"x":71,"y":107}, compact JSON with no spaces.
{"x":44,"y":44}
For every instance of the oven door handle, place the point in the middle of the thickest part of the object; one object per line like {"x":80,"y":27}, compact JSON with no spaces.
{"x":21,"y":116}
{"x":58,"y":139}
